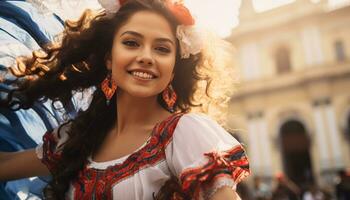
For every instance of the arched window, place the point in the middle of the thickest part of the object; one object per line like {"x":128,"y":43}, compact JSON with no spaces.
{"x":282,"y":60}
{"x":339,"y":50}
{"x":295,"y":143}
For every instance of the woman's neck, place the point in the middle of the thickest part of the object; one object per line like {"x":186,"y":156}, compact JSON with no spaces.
{"x":135,"y":112}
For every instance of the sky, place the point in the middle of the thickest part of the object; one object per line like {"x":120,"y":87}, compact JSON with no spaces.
{"x":222,"y":17}
{"x":219,"y":17}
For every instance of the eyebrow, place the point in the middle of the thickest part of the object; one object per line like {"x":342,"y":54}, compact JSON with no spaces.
{"x":141,"y":36}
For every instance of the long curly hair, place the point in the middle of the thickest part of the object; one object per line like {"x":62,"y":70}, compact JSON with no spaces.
{"x":76,"y":62}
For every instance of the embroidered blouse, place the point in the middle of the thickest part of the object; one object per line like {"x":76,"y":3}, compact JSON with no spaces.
{"x":191,"y":147}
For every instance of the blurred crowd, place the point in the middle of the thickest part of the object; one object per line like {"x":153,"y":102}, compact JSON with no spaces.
{"x":283,"y":188}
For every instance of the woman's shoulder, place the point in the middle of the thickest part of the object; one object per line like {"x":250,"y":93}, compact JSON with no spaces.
{"x":201,"y":127}
{"x":197,"y":119}
{"x":194,"y":115}
{"x":188,"y":120}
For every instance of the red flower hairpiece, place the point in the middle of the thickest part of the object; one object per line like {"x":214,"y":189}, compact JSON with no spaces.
{"x":122,"y":2}
{"x":182,"y":14}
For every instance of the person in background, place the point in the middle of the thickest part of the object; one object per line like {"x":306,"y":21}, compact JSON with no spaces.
{"x":313,"y":193}
{"x":261,"y":190}
{"x":285,"y":189}
{"x":342,"y":188}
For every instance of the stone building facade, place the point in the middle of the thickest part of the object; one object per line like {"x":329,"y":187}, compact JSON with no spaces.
{"x":292,"y":108}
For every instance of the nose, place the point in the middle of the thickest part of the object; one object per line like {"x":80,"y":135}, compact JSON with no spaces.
{"x":145,"y":57}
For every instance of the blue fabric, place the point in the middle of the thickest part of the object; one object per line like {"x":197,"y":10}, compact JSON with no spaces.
{"x":24,"y":15}
{"x":19,"y":189}
{"x":8,"y":27}
{"x":15,"y":129}
{"x":22,"y":30}
{"x":3,"y":192}
{"x":23,"y":19}
{"x":49,"y":24}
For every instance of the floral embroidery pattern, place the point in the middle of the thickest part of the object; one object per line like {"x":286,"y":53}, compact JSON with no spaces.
{"x":50,"y":156}
{"x":232,"y":163}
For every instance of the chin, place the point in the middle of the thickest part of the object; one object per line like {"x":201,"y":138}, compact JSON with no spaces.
{"x":143,"y":94}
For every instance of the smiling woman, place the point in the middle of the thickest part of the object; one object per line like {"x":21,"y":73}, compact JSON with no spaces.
{"x":140,"y":137}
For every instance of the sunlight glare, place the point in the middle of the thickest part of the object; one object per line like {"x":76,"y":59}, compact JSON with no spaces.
{"x":217,"y":17}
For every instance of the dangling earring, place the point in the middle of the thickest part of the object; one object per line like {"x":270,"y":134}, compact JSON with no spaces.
{"x":108,"y":87}
{"x":169,"y":97}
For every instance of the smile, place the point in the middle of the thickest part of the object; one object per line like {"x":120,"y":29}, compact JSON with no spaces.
{"x":142,"y":75}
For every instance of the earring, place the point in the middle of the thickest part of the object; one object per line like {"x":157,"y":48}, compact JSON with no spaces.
{"x":108,"y":87}
{"x":169,"y":97}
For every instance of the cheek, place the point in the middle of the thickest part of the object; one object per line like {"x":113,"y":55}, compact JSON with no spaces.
{"x":172,"y":68}
{"x":167,"y":67}
{"x":120,"y":58}
{"x":168,"y":62}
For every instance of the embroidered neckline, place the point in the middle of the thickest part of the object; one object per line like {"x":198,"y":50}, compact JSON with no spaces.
{"x":98,"y":183}
{"x":105,"y":164}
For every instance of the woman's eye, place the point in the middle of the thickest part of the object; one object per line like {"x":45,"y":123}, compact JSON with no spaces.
{"x":163,"y":49}
{"x":131,"y":43}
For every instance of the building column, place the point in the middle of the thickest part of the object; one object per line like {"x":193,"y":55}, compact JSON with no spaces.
{"x":254,"y":153}
{"x":259,"y":145}
{"x":334,"y":137}
{"x":321,"y":141}
{"x":265,"y":145}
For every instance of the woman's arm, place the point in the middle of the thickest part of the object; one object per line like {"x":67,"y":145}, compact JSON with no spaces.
{"x":22,"y":164}
{"x":225,"y":193}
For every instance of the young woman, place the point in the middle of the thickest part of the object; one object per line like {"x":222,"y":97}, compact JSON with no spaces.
{"x":139,"y":138}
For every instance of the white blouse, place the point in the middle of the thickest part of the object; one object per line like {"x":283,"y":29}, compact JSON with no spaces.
{"x":192,"y":147}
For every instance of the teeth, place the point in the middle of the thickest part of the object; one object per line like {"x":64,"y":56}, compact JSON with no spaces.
{"x":142,"y":75}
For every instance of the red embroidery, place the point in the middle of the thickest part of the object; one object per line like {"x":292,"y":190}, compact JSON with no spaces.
{"x":94,"y":183}
{"x":232,"y":162}
{"x":50,"y":156}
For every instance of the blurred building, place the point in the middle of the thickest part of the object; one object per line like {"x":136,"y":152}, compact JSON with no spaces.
{"x":292,"y":108}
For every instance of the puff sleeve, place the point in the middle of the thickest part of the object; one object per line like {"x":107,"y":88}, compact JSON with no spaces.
{"x":49,"y":150}
{"x":205,"y":157}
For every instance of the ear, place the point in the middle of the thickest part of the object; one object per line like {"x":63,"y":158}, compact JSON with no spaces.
{"x":108,"y":61}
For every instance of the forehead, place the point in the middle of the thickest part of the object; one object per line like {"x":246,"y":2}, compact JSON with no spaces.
{"x":149,"y":24}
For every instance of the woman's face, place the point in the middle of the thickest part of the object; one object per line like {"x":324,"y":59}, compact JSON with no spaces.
{"x":143,"y":55}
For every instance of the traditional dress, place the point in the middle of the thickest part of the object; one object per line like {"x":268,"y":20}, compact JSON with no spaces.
{"x":191,"y":147}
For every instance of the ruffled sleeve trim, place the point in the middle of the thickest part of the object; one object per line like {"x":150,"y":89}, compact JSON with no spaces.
{"x":218,"y":183}
{"x":53,"y":142}
{"x":39,"y":151}
{"x":231,"y":164}
{"x":50,"y":154}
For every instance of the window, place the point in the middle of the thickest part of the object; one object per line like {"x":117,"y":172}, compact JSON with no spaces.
{"x":282,"y":60}
{"x":339,"y":51}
